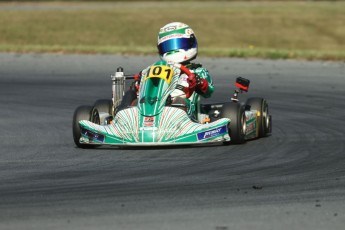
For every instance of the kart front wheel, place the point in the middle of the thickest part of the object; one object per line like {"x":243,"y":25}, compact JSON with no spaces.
{"x":237,"y":127}
{"x":83,"y":112}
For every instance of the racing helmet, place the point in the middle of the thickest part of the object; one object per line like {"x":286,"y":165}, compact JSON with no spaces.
{"x":177,"y":43}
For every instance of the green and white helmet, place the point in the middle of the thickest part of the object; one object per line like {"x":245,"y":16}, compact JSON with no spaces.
{"x":177,"y":43}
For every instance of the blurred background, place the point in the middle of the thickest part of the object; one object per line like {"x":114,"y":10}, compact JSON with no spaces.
{"x":264,"y":29}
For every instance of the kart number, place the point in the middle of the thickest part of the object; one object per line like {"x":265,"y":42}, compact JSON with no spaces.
{"x":160,"y":71}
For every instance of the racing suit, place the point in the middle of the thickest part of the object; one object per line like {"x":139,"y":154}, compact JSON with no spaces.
{"x":204,"y":87}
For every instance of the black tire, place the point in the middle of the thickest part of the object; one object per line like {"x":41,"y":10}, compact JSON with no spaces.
{"x":260,"y":104}
{"x":83,"y":112}
{"x":104,"y":106}
{"x":127,"y":100}
{"x":237,"y":127}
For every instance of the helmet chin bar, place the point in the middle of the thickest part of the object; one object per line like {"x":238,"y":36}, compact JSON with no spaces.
{"x":181,"y":57}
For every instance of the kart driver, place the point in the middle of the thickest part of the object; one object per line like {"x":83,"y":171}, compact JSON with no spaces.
{"x":177,"y":43}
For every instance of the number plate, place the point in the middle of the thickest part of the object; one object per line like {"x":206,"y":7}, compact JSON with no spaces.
{"x":160,"y":71}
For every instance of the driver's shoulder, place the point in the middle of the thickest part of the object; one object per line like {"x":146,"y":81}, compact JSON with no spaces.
{"x":201,"y":71}
{"x":194,"y":66}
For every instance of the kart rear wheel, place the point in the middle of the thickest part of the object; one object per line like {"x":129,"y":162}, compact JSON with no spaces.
{"x":264,"y":124}
{"x":83,"y":112}
{"x":237,"y":127}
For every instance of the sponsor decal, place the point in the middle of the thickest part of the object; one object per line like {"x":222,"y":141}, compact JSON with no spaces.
{"x":189,"y":31}
{"x":149,"y":121}
{"x":212,"y":133}
{"x":169,"y":28}
{"x":93,"y":136}
{"x":163,"y":39}
{"x":250,"y":128}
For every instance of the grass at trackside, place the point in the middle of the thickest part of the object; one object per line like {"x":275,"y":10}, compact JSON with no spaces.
{"x":307,"y":30}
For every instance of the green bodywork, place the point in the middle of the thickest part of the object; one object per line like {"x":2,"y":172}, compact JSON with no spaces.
{"x":152,"y":122}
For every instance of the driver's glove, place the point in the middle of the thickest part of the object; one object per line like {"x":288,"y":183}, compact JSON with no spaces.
{"x":197,"y":83}
{"x":201,"y":86}
{"x":192,"y":81}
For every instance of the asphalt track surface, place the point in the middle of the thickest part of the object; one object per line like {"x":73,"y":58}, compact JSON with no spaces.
{"x":293,"y":179}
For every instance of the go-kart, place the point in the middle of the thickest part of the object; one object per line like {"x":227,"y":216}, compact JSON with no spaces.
{"x":153,"y":120}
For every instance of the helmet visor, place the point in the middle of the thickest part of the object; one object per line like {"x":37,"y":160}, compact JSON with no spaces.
{"x":174,"y":44}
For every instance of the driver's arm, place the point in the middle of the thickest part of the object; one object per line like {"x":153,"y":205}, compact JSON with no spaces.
{"x":206,"y":87}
